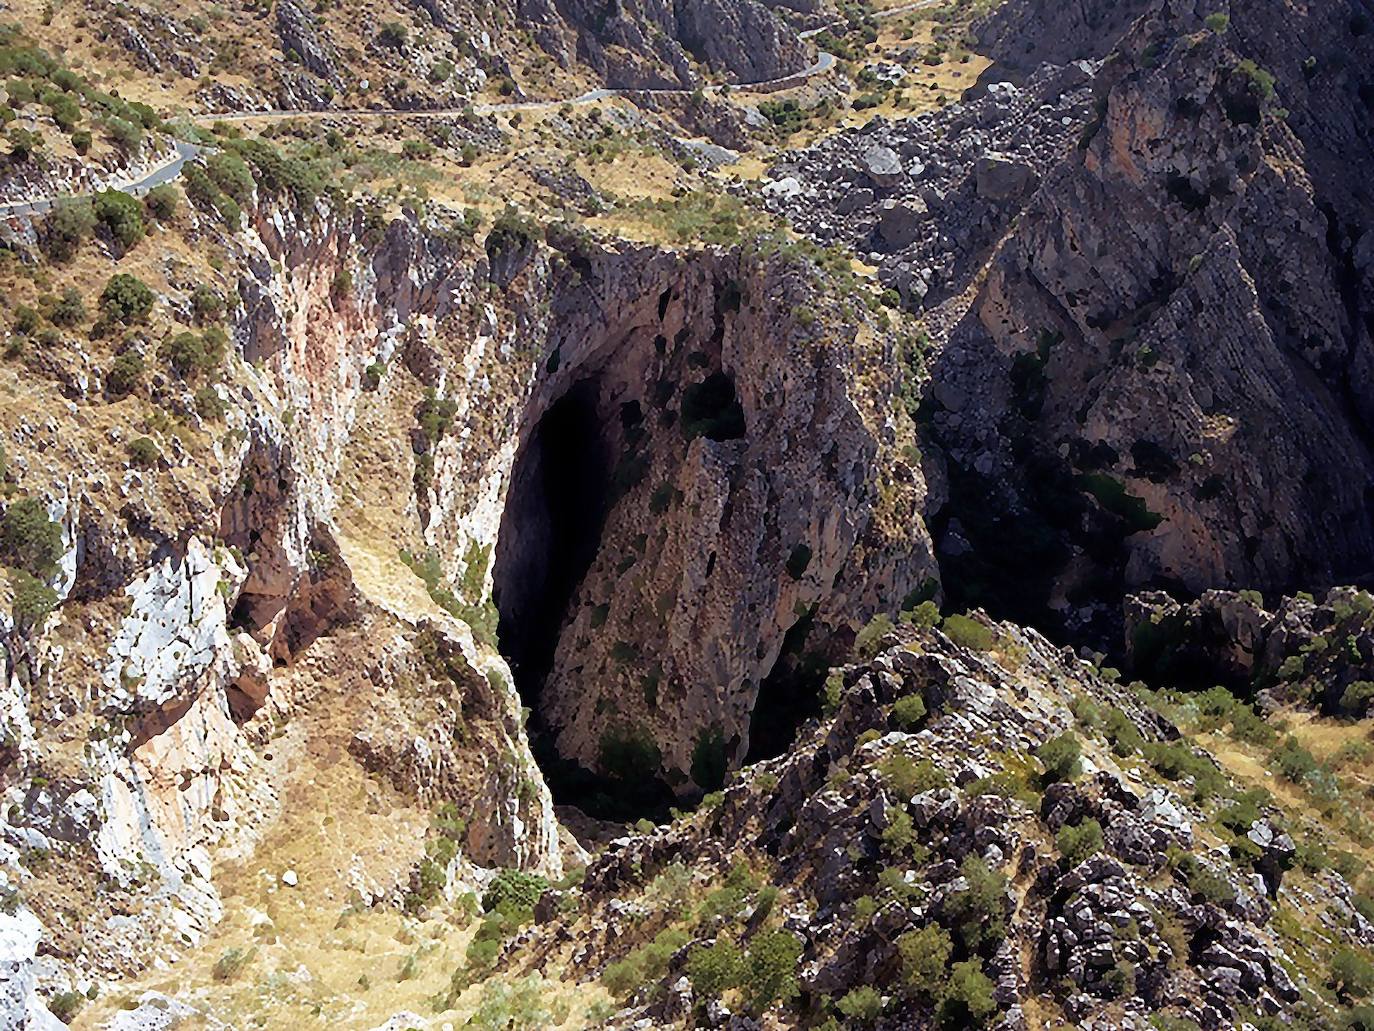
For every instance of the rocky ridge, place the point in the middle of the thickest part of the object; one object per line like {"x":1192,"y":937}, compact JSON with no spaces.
{"x":882,"y":822}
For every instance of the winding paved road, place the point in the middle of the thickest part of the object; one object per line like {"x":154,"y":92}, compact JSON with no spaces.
{"x":171,"y":170}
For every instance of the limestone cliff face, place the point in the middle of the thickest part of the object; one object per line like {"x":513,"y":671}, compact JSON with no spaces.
{"x":1022,"y":34}
{"x":1164,"y":373}
{"x":652,"y":44}
{"x":742,"y":460}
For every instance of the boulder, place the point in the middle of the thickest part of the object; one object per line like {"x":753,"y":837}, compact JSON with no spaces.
{"x":1001,"y":179}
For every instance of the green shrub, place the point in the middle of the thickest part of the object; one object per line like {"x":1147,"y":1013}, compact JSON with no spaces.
{"x":1080,"y":842}
{"x":770,"y":973}
{"x":81,"y":141}
{"x":644,"y":965}
{"x":126,"y":299}
{"x":32,"y":599}
{"x":1123,"y":735}
{"x":968,"y":633}
{"x":1061,"y":757}
{"x":125,"y":133}
{"x":968,"y":998}
{"x":868,"y":640}
{"x":29,"y":540}
{"x":906,"y":778}
{"x":716,"y":968}
{"x":861,"y":1005}
{"x":70,"y":310}
{"x":1205,"y":883}
{"x":909,"y":711}
{"x":513,"y":891}
{"x":393,"y":35}
{"x":71,"y":221}
{"x":979,"y":911}
{"x":163,"y":202}
{"x":1355,"y":699}
{"x":192,"y":355}
{"x":125,"y":374}
{"x":121,"y":215}
{"x":1292,"y":761}
{"x":206,"y":303}
{"x":231,"y":174}
{"x":1217,"y":22}
{"x":23,"y":144}
{"x":26,"y":320}
{"x":1352,"y":974}
{"x":924,"y":957}
{"x":143,"y":452}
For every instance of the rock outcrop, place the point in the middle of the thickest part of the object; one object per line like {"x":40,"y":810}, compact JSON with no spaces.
{"x":1171,"y":332}
{"x":889,"y":819}
{"x":659,"y":45}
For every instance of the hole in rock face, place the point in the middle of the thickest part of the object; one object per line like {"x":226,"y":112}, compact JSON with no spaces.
{"x":559,"y":495}
{"x":550,"y":532}
{"x":789,"y":695}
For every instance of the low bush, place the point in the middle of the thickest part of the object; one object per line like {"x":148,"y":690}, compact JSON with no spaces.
{"x":126,"y":299}
{"x":644,"y":965}
{"x":716,"y":968}
{"x":121,"y":216}
{"x":163,"y":202}
{"x":908,"y":712}
{"x":29,"y":539}
{"x":924,"y":958}
{"x":513,"y":891}
{"x":1061,"y":757}
{"x":968,"y":633}
{"x":968,"y":999}
{"x":1077,"y":843}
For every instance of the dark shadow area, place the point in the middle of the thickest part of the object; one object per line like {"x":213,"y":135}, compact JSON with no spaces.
{"x":789,"y":695}
{"x":549,"y":533}
{"x":560,"y":491}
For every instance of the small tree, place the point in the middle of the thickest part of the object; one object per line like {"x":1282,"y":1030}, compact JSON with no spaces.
{"x":126,"y":372}
{"x":143,"y":452}
{"x":1061,"y":756}
{"x":978,"y":913}
{"x":969,"y":997}
{"x":29,"y":539}
{"x":163,"y":202}
{"x":770,"y":974}
{"x":925,"y":956}
{"x":126,"y":299}
{"x":69,"y":310}
{"x":716,"y":968}
{"x":121,"y":216}
{"x":71,"y":222}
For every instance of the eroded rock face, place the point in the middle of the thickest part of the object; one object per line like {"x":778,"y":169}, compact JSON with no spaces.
{"x":1023,"y":34}
{"x":652,"y":44}
{"x":1169,"y":334}
{"x":739,"y":465}
{"x":402,"y":390}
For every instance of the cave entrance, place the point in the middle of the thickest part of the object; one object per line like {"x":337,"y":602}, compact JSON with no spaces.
{"x":789,"y":695}
{"x":550,"y":532}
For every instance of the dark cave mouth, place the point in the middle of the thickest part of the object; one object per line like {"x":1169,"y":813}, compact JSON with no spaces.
{"x":556,"y":506}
